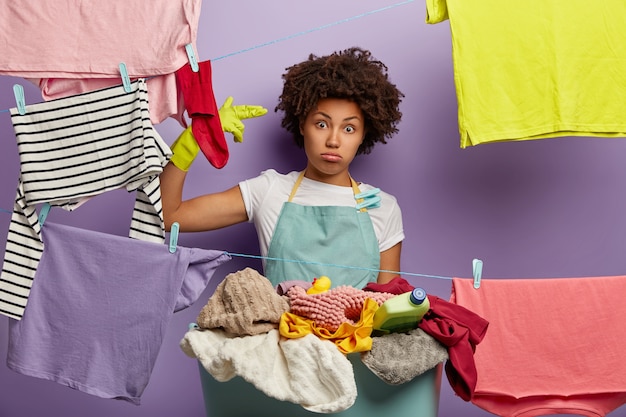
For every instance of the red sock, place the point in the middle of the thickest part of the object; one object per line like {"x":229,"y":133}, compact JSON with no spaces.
{"x":197,"y":93}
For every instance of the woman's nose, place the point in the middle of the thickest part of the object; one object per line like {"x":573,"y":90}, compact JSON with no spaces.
{"x":333,"y":139}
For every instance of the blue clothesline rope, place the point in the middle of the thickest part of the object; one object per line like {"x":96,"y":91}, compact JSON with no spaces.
{"x":245,"y":255}
{"x":304,"y":32}
{"x":298,"y":261}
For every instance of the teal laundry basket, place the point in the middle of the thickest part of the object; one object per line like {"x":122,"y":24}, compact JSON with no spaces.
{"x":417,"y":398}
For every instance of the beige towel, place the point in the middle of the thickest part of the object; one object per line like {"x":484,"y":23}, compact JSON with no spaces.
{"x":244,"y":303}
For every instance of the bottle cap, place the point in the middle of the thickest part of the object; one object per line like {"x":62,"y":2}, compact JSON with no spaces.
{"x":417,"y":296}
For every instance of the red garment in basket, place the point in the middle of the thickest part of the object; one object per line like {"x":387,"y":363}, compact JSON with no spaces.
{"x":397,"y":285}
{"x":460,"y":330}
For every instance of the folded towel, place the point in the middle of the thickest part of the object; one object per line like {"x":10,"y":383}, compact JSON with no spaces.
{"x":397,"y":358}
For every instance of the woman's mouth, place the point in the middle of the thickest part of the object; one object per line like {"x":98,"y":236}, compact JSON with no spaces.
{"x":331,"y":157}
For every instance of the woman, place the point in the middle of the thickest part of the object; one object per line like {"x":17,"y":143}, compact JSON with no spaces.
{"x":313,"y":222}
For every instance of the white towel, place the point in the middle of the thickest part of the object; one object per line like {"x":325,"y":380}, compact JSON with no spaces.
{"x":308,"y":371}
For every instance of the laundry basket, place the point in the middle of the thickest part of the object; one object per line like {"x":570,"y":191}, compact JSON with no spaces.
{"x":417,"y":398}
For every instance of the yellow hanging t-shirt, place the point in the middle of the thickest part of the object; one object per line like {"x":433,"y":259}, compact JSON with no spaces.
{"x":532,"y":69}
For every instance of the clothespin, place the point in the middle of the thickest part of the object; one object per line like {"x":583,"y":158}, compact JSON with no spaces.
{"x":43,"y":213}
{"x":368,"y":199}
{"x":125,"y":78}
{"x":477,"y":271}
{"x":191,"y":55}
{"x":18,"y":91}
{"x":174,"y":237}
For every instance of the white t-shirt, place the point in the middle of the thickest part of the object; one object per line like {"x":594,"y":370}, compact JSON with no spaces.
{"x":264,"y":196}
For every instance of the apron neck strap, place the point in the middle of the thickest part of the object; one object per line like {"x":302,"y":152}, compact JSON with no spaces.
{"x":355,"y":189}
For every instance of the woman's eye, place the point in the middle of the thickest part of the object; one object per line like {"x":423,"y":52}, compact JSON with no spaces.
{"x":350,"y":129}
{"x":321,"y":124}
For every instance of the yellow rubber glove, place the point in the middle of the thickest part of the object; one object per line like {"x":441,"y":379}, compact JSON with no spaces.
{"x":184,"y":150}
{"x":231,"y":117}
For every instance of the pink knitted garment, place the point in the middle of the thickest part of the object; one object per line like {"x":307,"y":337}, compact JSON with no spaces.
{"x":333,"y":307}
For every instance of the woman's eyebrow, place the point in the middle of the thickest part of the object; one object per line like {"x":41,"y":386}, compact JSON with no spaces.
{"x":345,"y":120}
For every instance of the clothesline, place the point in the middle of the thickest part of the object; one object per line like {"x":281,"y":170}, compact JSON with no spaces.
{"x":304,"y":32}
{"x":298,"y":261}
{"x":477,"y":264}
{"x":245,"y":255}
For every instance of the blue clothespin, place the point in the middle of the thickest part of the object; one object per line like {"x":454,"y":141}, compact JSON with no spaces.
{"x":369,"y":193}
{"x":193,"y":61}
{"x":477,"y":271}
{"x":371,"y":199}
{"x":18,"y":91}
{"x":369,"y":203}
{"x":174,"y":237}
{"x":125,"y":78}
{"x":43,"y":213}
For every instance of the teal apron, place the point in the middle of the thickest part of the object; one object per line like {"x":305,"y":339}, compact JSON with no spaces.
{"x":311,"y":241}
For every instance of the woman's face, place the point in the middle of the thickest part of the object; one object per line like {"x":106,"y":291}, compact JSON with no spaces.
{"x":333,"y":132}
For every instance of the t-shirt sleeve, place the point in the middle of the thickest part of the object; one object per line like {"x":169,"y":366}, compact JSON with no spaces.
{"x":254,"y":190}
{"x":393,"y":231}
{"x":436,"y":11}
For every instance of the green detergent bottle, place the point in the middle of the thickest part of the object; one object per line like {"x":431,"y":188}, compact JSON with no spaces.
{"x":402,"y":312}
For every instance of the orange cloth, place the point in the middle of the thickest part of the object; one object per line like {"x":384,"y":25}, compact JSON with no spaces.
{"x":348,"y":337}
{"x":555,"y":346}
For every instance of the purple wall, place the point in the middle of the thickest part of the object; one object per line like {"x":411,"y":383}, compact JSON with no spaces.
{"x":548,"y":208}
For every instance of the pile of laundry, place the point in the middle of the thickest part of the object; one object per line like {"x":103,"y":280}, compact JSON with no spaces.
{"x":289,"y":343}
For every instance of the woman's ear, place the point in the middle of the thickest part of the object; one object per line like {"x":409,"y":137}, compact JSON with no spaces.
{"x":300,"y":126}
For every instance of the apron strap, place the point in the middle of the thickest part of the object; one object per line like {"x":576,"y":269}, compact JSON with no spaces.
{"x":355,"y":189}
{"x":295,"y":186}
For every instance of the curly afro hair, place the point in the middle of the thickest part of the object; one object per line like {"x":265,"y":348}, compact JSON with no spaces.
{"x":351,"y":74}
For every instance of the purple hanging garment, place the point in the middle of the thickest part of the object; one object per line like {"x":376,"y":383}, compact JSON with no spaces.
{"x":99,"y":307}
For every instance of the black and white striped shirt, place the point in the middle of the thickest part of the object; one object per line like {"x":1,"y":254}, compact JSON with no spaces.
{"x":70,"y":150}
